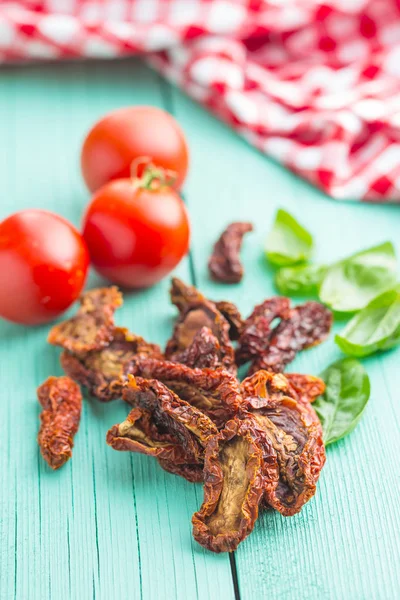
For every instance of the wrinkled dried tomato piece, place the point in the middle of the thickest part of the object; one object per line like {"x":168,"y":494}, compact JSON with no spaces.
{"x":301,"y":453}
{"x":263,"y":386}
{"x":296,"y":436}
{"x":234,"y":483}
{"x":183,"y":296}
{"x":176,"y":417}
{"x":266,"y":385}
{"x":61,"y":400}
{"x":215,"y":393}
{"x":204,"y":351}
{"x":192,"y":473}
{"x":196,"y":316}
{"x":307,"y":388}
{"x":100,"y":370}
{"x":255,"y":335}
{"x":93,"y":326}
{"x":139,"y":433}
{"x":271,"y":308}
{"x":232,"y":314}
{"x":163,"y":426}
{"x":224,"y":264}
{"x":307,"y":326}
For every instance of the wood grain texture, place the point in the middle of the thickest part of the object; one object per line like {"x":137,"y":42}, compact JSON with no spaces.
{"x":112,"y":525}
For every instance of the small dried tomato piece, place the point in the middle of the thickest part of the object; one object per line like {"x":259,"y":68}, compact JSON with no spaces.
{"x":255,"y":334}
{"x":307,"y":388}
{"x":163,"y":426}
{"x":263,"y":386}
{"x":215,"y":392}
{"x":224,"y":264}
{"x":204,"y":351}
{"x":101,"y":370}
{"x":61,"y":400}
{"x":183,"y":296}
{"x":295,"y":433}
{"x":196,"y":316}
{"x":192,"y":473}
{"x":233,"y":487}
{"x":232,"y":314}
{"x":93,"y":326}
{"x":306,"y":326}
{"x":176,"y":417}
{"x":301,"y":454}
{"x":139,"y":433}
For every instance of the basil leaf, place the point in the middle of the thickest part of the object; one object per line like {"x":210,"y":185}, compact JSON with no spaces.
{"x":352,"y":283}
{"x":341,"y":406}
{"x":376,"y":327}
{"x":288,"y":243}
{"x":303,"y":280}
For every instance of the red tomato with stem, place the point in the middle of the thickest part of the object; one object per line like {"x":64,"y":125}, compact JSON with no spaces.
{"x":127,"y":134}
{"x":137,"y":230}
{"x":43,"y":266}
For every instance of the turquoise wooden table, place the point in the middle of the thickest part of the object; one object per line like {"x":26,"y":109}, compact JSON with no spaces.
{"x":113,"y":525}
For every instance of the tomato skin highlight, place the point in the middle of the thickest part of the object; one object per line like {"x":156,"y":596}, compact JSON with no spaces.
{"x":135,"y":236}
{"x":126,"y":134}
{"x":43,"y":266}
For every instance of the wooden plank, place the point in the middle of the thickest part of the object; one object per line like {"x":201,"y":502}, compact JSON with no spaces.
{"x":108,"y":524}
{"x":344,"y":544}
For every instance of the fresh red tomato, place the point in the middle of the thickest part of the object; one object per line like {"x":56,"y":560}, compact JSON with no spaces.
{"x":129,"y":133}
{"x":137,"y":231}
{"x":43,"y":266}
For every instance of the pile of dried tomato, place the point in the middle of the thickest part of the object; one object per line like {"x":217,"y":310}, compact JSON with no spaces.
{"x":254,"y":444}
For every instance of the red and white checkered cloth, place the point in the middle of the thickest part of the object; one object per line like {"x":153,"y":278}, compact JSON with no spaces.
{"x":315,"y":84}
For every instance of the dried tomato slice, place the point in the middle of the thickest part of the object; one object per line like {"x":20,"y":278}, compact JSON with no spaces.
{"x":307,"y":325}
{"x":232,"y":314}
{"x":234,"y":484}
{"x":196,"y":316}
{"x":254,"y":338}
{"x":224,"y":264}
{"x":264,"y":385}
{"x":101,"y":370}
{"x":164,"y":426}
{"x":307,"y":388}
{"x":183,"y":295}
{"x":301,"y":453}
{"x":176,"y":417}
{"x":93,"y":326}
{"x":296,"y":436}
{"x":61,"y":400}
{"x":139,"y":433}
{"x":204,"y":351}
{"x":215,"y":393}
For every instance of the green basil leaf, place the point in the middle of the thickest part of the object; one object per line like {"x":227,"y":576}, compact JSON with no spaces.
{"x":288,"y":243}
{"x":341,"y":406}
{"x":376,"y":327}
{"x":303,"y":280}
{"x":352,"y":283}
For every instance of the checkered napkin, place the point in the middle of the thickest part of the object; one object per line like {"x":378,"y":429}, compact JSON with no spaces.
{"x":314,"y":84}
